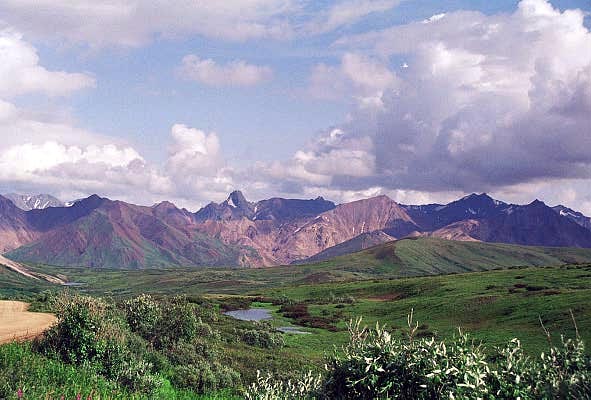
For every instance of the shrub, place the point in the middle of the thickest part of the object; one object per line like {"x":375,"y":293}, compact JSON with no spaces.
{"x":76,"y":338}
{"x":379,"y":365}
{"x":179,"y":324}
{"x":137,"y":376}
{"x":143,"y":313}
{"x":263,"y":336}
{"x":269,"y":388}
{"x":203,"y":377}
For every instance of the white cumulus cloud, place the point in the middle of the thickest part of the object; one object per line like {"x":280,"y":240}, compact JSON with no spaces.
{"x":360,"y":76}
{"x":21,"y":73}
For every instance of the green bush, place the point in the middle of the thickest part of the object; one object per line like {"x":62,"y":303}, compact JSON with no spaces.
{"x":137,"y":377}
{"x":76,"y":338}
{"x":379,"y":365}
{"x":180,"y":323}
{"x":90,"y":332}
{"x":264,"y":336}
{"x":143,"y":313}
{"x":269,"y":388}
{"x":203,"y":377}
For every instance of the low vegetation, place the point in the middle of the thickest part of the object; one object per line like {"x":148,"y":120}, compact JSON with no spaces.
{"x":378,"y":364}
{"x":121,"y":343}
{"x":142,"y":348}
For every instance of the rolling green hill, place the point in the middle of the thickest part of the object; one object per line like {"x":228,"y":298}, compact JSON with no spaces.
{"x":403,"y":258}
{"x":430,"y":256}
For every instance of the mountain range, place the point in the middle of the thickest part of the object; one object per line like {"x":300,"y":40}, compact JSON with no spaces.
{"x":99,"y":232}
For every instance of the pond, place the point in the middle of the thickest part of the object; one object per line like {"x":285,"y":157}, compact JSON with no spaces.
{"x":252,"y":314}
{"x":262,"y":314}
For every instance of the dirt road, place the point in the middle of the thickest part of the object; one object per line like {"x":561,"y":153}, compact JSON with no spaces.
{"x":16,"y":323}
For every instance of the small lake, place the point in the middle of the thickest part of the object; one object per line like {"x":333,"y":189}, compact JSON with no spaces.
{"x":252,"y":314}
{"x":262,"y":314}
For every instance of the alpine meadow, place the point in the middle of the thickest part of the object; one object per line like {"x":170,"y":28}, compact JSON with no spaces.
{"x":295,"y":200}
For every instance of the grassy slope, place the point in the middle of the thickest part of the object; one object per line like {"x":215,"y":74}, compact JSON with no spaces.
{"x":487,"y":303}
{"x":14,"y":285}
{"x":494,"y":306}
{"x":428,"y":256}
{"x":404,"y":258}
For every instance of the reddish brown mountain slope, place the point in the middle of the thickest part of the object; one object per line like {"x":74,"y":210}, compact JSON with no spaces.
{"x":120,"y":235}
{"x":14,"y":228}
{"x":282,"y":242}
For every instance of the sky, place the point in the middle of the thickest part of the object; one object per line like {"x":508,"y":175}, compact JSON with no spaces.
{"x":422,"y":100}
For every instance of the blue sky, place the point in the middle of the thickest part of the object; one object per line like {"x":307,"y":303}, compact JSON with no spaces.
{"x":315,"y":108}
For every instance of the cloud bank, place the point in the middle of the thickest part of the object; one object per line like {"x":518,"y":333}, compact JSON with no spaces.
{"x":454,"y":103}
{"x":483,"y":103}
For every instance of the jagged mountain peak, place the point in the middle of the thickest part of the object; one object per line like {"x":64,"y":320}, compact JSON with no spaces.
{"x":537,"y":203}
{"x":482,"y":198}
{"x":92,"y":201}
{"x":237,"y":199}
{"x":482,"y":195}
{"x":164,"y":205}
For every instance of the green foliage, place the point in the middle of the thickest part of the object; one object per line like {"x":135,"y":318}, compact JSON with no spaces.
{"x":143,"y":313}
{"x":264,"y":336}
{"x":163,"y":323}
{"x":137,"y":377}
{"x":77,"y":338}
{"x":39,"y":377}
{"x":90,"y":332}
{"x":379,"y":365}
{"x":117,"y":342}
{"x":203,"y":377}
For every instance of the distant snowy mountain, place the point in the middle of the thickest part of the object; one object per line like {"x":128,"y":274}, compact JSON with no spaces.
{"x":573,"y":215}
{"x":34,"y":202}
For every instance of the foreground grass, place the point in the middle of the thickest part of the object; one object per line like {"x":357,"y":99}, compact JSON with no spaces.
{"x":39,"y":377}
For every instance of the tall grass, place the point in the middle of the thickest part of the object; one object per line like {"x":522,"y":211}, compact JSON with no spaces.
{"x":39,"y":377}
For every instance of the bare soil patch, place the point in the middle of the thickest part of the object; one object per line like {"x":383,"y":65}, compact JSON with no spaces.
{"x":387,"y":297}
{"x":18,"y":324}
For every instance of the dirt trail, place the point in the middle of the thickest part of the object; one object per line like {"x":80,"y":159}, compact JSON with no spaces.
{"x":18,"y":324}
{"x":21,"y":269}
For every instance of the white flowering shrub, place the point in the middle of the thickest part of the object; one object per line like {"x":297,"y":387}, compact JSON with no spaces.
{"x":379,"y":365}
{"x":268,"y":388}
